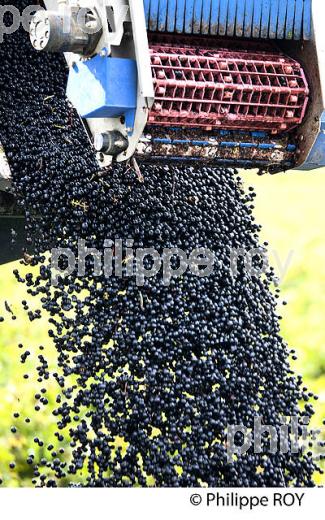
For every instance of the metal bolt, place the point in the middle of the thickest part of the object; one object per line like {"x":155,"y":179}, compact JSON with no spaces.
{"x":110,"y":143}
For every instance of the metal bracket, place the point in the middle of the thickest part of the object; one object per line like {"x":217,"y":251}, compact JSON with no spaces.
{"x":124,"y":35}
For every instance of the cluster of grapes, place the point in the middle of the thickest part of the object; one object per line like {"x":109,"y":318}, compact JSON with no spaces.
{"x":148,"y":377}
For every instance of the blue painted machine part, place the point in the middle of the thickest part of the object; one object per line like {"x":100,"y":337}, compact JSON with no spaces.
{"x":269,"y":19}
{"x":104,"y":87}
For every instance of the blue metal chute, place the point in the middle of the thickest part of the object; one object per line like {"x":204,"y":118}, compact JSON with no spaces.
{"x":153,"y":18}
{"x":189,"y":15}
{"x":256,"y":33}
{"x":171,"y":18}
{"x":197,"y":16}
{"x":214,"y":22}
{"x":162,"y":17}
{"x":240,"y":17}
{"x":179,"y":8}
{"x":290,"y":20}
{"x":231,"y":20}
{"x":298,"y":19}
{"x":267,"y":19}
{"x":206,"y":16}
{"x":249,"y":12}
{"x":147,"y":10}
{"x":274,"y":12}
{"x":307,"y":20}
{"x":223,"y":17}
{"x":281,"y":25}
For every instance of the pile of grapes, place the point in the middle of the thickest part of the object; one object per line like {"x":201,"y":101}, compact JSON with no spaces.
{"x":148,"y":377}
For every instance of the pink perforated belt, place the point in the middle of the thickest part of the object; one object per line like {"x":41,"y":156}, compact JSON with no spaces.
{"x":230,"y":89}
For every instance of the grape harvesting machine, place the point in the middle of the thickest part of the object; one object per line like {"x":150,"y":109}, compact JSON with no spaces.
{"x":232,"y":82}
{"x":238,"y":83}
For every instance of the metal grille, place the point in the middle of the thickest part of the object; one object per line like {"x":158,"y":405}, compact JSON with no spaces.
{"x":211,"y":88}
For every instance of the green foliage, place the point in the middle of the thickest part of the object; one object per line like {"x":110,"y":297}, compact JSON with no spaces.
{"x":16,"y":393}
